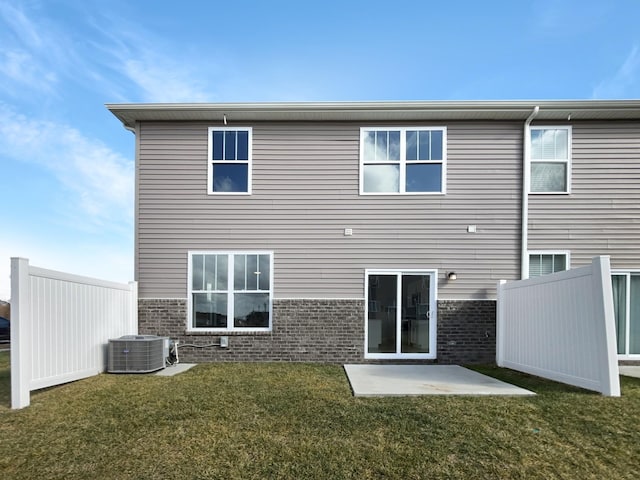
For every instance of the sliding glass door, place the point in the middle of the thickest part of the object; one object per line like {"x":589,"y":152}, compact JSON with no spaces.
{"x":401,"y":314}
{"x":626,"y":305}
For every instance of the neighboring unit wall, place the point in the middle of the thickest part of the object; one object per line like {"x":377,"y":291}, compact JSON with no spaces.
{"x":600,"y":216}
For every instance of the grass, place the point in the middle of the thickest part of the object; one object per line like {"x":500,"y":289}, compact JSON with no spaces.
{"x":299,"y":421}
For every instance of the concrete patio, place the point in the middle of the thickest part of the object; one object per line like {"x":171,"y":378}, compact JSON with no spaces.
{"x":407,"y":380}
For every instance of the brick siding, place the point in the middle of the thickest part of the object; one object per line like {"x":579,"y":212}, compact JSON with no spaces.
{"x":329,"y":331}
{"x":466,"y":331}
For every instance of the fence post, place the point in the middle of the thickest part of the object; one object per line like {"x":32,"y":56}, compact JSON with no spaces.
{"x":133,"y":307}
{"x":500,"y":323}
{"x":603,"y":297}
{"x":20,"y":333}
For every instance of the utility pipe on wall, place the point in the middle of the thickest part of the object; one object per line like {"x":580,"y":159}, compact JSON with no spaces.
{"x":526,"y":177}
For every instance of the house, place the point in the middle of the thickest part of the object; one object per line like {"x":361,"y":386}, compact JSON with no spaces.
{"x":354,"y":232}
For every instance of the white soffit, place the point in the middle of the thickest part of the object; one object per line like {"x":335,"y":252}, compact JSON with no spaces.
{"x":550,"y":110}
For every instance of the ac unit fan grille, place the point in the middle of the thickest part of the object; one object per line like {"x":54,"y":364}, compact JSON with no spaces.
{"x":136,"y":354}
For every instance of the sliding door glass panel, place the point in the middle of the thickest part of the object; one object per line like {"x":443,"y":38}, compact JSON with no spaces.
{"x":619,"y":286}
{"x":381,"y":321}
{"x":634,"y":315}
{"x":415,"y":314}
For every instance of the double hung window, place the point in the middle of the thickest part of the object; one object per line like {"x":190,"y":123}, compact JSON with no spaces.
{"x":544,"y":263}
{"x":550,"y":160}
{"x":230,"y":290}
{"x":229,"y":160}
{"x":402,"y":160}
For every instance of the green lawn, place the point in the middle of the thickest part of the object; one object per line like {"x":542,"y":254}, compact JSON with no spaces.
{"x":299,"y":421}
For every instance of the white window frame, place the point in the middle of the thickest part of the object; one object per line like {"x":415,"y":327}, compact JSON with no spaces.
{"x":627,"y":274}
{"x":211,"y":161}
{"x":433,"y":317}
{"x":230,"y":291}
{"x":566,"y":253}
{"x":568,"y":161}
{"x":403,"y":162}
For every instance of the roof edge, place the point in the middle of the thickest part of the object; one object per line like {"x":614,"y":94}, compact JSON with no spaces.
{"x":129,"y":113}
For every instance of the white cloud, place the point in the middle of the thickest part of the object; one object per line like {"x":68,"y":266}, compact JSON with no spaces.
{"x":101,"y":181}
{"x":161,"y":81}
{"x":624,"y":83}
{"x":145,"y":67}
{"x":111,"y":56}
{"x":20,"y":67}
{"x":20,"y":25}
{"x":33,"y":54}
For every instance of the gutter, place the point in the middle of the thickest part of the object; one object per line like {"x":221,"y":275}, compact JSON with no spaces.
{"x":526,"y":176}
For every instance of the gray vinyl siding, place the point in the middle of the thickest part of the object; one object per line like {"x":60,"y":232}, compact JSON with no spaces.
{"x":305,"y":193}
{"x":601,"y":216}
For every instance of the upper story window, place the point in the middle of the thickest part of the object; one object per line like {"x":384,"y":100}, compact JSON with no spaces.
{"x":229,"y":160}
{"x":403,"y":160}
{"x":550,"y":159}
{"x":544,"y":263}
{"x":230,"y":290}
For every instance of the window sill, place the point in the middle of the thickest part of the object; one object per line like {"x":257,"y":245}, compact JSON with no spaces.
{"x":549,"y":193}
{"x":227,"y":333}
{"x":395,"y":194}
{"x":233,"y":194}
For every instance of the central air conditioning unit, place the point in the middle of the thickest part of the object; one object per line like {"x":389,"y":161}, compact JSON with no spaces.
{"x":136,"y":354}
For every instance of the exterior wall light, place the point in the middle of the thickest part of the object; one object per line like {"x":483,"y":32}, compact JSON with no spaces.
{"x":452,"y":276}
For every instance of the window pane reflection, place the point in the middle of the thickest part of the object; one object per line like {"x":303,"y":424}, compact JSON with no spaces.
{"x":424,"y":177}
{"x":251,"y":310}
{"x":210,"y":310}
{"x":381,"y":178}
{"x":382,"y":313}
{"x":230,"y":177}
{"x":548,"y":177}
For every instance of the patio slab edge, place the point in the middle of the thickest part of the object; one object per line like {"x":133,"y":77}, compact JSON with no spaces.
{"x":415,"y":380}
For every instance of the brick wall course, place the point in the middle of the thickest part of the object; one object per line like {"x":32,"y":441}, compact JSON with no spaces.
{"x":328,"y":331}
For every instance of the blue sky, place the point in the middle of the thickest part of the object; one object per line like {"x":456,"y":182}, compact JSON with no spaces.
{"x":67,"y":163}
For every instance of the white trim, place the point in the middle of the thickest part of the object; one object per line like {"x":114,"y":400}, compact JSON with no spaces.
{"x":230,"y":291}
{"x":332,"y":298}
{"x":162,"y":298}
{"x":318,"y":298}
{"x":248,"y":162}
{"x":526,"y":174}
{"x":627,"y":324}
{"x":403,"y":162}
{"x":568,"y":161}
{"x":433,"y":314}
{"x":566,"y":253}
{"x":466,"y":299}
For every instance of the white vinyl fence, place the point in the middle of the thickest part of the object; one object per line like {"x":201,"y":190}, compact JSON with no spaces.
{"x":61,"y":324}
{"x":561,"y":327}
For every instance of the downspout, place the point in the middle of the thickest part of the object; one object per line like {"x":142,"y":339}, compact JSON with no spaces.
{"x":136,"y":254}
{"x":526,"y":176}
